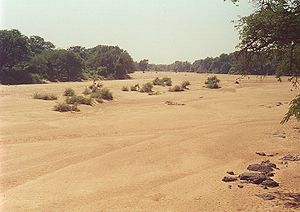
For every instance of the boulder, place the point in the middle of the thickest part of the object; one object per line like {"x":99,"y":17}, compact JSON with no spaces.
{"x":256,"y":178}
{"x":270,"y":183}
{"x":229,"y":179}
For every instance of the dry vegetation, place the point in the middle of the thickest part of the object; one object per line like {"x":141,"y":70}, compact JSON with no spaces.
{"x":166,"y":152}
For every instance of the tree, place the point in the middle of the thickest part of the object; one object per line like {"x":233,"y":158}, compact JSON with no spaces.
{"x":37,"y":44}
{"x":274,"y":29}
{"x":143,"y":65}
{"x":13,"y":48}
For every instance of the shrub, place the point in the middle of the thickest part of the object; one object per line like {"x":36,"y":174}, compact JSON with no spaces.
{"x":146,"y":88}
{"x":69,"y":92}
{"x":167,"y":81}
{"x":158,"y":81}
{"x":79,"y":100}
{"x":125,"y":88}
{"x":103,"y":93}
{"x":63,"y":107}
{"x":176,"y":88}
{"x":44,"y":96}
{"x":212,"y":82}
{"x":95,"y":86}
{"x":154,"y":93}
{"x":87,"y":91}
{"x":162,"y":82}
{"x":184,"y":84}
{"x":134,"y":87}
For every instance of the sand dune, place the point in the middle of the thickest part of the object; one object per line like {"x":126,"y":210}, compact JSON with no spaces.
{"x":137,"y":153}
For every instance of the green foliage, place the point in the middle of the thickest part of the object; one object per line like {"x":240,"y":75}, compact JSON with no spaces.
{"x":143,"y":64}
{"x":294,"y":110}
{"x":79,"y":100}
{"x":110,"y":62}
{"x":212,"y":82}
{"x":176,"y":88}
{"x":146,"y":88}
{"x":69,"y":92}
{"x":44,"y":96}
{"x":184,"y":84}
{"x":125,"y":88}
{"x":103,"y":93}
{"x":63,"y":107}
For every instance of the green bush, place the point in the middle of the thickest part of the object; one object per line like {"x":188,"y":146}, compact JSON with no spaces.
{"x":212,"y":82}
{"x":176,"y":88}
{"x":184,"y":84}
{"x":79,"y":100}
{"x":63,"y":107}
{"x":103,"y":93}
{"x":146,"y":88}
{"x":44,"y":96}
{"x":87,"y":91}
{"x":69,"y":92}
{"x":294,"y":110}
{"x":125,"y":88}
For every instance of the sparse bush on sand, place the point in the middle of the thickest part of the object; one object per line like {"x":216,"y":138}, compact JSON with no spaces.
{"x":44,"y":96}
{"x":87,"y":91}
{"x":69,"y":92}
{"x":176,"y":88}
{"x":103,"y":93}
{"x":79,"y":100}
{"x":95,"y":86}
{"x":64,"y":107}
{"x":212,"y":82}
{"x":146,"y":88}
{"x":154,"y":93}
{"x":125,"y":88}
{"x":166,"y":81}
{"x":184,"y":84}
{"x":135,"y":87}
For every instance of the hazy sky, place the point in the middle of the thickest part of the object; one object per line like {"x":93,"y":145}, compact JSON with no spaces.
{"x":160,"y":30}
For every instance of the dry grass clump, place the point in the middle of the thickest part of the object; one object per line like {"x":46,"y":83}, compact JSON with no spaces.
{"x":79,"y":100}
{"x":146,"y":88}
{"x":64,"y":107}
{"x":176,"y":88}
{"x":184,"y":84}
{"x":103,"y":93}
{"x":135,"y":87}
{"x":125,"y":88}
{"x":154,"y":93}
{"x":212,"y":82}
{"x":166,"y":81}
{"x":87,"y":91}
{"x":69,"y":92}
{"x":44,"y":96}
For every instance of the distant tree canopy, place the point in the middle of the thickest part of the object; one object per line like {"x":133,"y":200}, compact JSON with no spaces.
{"x":32,"y":59}
{"x":143,"y":64}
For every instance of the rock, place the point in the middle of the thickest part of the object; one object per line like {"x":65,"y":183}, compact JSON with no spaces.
{"x":230,"y":172}
{"x":266,"y":196}
{"x":271,"y":174}
{"x":240,"y":186}
{"x":290,"y":158}
{"x":264,"y":167}
{"x":229,"y":186}
{"x":270,"y":183}
{"x":229,"y":179}
{"x":261,"y":153}
{"x":256,"y":178}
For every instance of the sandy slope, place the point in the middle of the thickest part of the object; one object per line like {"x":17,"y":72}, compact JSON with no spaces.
{"x":138,"y":154}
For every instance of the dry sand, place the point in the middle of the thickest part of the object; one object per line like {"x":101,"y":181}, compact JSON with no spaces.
{"x":138,"y":154}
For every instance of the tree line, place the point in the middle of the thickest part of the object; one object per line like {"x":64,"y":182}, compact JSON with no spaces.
{"x":33,"y":60}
